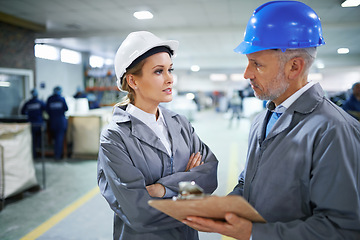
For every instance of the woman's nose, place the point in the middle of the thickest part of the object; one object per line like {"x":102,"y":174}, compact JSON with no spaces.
{"x":169,"y":78}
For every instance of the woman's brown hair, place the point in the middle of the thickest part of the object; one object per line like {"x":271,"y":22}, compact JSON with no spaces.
{"x":130,"y":97}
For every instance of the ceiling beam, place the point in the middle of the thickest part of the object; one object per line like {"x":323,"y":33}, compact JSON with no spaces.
{"x":21,"y":23}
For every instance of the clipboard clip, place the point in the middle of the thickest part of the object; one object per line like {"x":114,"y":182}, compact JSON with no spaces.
{"x":189,"y":190}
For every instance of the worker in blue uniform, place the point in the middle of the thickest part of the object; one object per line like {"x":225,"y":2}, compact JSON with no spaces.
{"x":352,"y":104}
{"x":302,"y":169}
{"x":79,"y":93}
{"x":56,"y":107}
{"x":34,"y":109}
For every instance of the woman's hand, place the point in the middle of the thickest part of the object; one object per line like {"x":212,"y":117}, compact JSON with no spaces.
{"x":156,"y":190}
{"x":194,"y":161}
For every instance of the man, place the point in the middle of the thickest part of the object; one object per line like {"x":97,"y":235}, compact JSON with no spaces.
{"x":34,"y":109}
{"x":352,"y":104}
{"x":56,"y":107}
{"x":302,"y":175}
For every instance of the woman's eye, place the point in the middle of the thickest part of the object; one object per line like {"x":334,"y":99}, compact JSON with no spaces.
{"x":160,"y":71}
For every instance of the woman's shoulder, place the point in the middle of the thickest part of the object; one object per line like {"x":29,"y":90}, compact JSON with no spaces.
{"x":119,"y":123}
{"x":167,"y":113}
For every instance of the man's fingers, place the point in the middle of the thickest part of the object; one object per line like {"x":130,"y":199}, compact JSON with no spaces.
{"x":231,"y":218}
{"x":199,"y":224}
{"x":234,"y":226}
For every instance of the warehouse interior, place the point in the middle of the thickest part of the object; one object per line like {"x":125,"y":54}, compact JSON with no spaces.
{"x":60,"y":199}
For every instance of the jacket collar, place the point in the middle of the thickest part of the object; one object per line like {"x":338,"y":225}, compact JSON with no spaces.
{"x":144,"y":133}
{"x":174,"y":128}
{"x":305,"y":104}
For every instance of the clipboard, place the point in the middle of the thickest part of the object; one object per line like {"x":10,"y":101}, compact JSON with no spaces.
{"x":213,"y":207}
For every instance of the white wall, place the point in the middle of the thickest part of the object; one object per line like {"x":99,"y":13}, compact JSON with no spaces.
{"x":57,"y":73}
{"x":339,"y":79}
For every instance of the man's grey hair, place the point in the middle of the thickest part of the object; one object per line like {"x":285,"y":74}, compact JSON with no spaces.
{"x":308,"y":54}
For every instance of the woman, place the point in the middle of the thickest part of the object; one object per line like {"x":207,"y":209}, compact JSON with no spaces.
{"x":147,"y":150}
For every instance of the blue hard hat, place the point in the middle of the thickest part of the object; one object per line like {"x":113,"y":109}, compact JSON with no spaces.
{"x":281,"y":25}
{"x":34,"y":92}
{"x":57,"y":90}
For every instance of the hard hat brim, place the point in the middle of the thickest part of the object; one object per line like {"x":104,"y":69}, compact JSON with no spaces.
{"x":247,"y":48}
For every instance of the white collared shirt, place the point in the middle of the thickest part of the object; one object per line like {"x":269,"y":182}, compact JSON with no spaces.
{"x":158,"y":126}
{"x":290,"y":100}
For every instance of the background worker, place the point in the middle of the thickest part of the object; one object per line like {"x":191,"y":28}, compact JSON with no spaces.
{"x":302,"y":170}
{"x":235,"y":106}
{"x":147,"y":150}
{"x":34,"y":109}
{"x":79,"y":93}
{"x":56,"y":107}
{"x":352,"y":104}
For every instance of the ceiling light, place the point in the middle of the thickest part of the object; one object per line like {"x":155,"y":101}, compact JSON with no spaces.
{"x":218,"y":77}
{"x":5,"y":84}
{"x":351,"y":3}
{"x":195,"y":68}
{"x":343,"y":51}
{"x":143,"y":15}
{"x":190,"y":96}
{"x":320,"y":65}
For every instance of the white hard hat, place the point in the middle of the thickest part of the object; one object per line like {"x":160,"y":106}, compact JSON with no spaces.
{"x":135,"y":45}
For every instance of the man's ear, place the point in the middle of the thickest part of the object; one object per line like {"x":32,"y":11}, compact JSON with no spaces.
{"x":295,"y":67}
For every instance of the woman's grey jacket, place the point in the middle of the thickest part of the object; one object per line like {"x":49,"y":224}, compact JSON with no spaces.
{"x":131,"y":157}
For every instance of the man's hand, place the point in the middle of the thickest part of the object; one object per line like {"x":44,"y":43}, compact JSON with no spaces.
{"x":194,"y":161}
{"x":236,"y":227}
{"x":156,"y":190}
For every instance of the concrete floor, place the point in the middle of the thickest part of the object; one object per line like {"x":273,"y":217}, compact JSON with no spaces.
{"x":71,"y":207}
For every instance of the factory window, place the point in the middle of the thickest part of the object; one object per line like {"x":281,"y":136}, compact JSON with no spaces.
{"x":96,"y":62}
{"x":47,"y":52}
{"x":70,"y":56}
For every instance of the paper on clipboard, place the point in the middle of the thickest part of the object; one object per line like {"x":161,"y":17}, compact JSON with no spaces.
{"x":213,"y":207}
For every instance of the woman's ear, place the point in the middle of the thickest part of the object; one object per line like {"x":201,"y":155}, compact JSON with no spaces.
{"x":295,"y":67}
{"x":131,"y":81}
